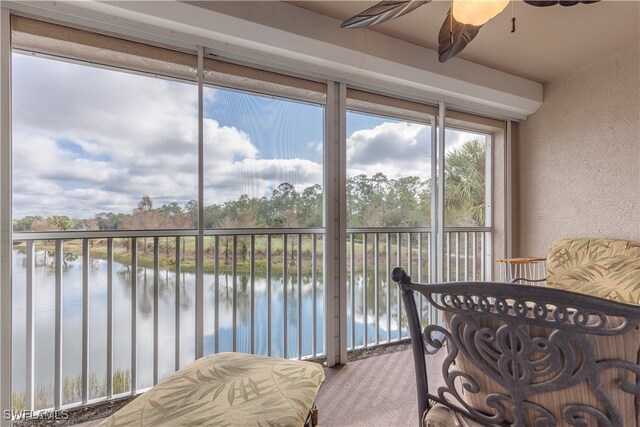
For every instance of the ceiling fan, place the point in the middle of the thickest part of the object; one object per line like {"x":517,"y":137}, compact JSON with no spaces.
{"x":463,"y":21}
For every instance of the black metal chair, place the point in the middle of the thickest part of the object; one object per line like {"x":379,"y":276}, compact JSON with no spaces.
{"x":519,"y":355}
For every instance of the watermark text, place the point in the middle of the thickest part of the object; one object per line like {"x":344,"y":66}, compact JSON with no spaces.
{"x":36,"y":415}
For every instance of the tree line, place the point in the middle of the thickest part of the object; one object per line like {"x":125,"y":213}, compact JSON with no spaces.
{"x":372,"y":201}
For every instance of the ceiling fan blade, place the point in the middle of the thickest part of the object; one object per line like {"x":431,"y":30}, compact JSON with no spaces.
{"x":545,"y":3}
{"x":462,"y":35}
{"x":382,"y":12}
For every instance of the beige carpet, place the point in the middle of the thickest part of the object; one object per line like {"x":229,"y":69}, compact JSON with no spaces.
{"x":378,"y":391}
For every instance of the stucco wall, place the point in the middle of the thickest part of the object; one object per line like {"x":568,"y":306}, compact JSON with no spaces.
{"x":578,"y":158}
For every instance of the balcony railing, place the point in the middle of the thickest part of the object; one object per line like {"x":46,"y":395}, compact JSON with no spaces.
{"x":100,"y":314}
{"x":375,"y":311}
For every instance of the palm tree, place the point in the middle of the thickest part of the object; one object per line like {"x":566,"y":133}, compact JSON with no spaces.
{"x":465,"y":197}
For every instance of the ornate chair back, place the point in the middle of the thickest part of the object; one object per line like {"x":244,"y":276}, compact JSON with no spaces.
{"x":517,"y":355}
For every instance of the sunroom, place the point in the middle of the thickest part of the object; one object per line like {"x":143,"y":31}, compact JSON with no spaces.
{"x":181,"y":179}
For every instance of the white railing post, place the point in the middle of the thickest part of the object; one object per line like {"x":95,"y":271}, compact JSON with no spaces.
{"x":134,"y":315}
{"x":268,"y":250}
{"x":234,"y":294}
{"x":285,"y":318}
{"x":314,"y":278}
{"x":389,"y":284}
{"x":399,"y":299}
{"x":178,"y":305}
{"x":352,"y":290}
{"x":216,"y":287}
{"x":376,"y":294}
{"x":156,"y":302}
{"x":365,"y":319}
{"x":85,"y":321}
{"x":109,"y":317}
{"x":57,"y":379}
{"x":299,"y":296}
{"x":252,"y":280}
{"x":30,"y":326}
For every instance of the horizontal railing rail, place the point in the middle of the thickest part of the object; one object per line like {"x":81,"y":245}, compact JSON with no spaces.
{"x":100,"y":234}
{"x":413,"y":229}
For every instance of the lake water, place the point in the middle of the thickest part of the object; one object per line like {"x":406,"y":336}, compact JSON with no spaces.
{"x":44,"y":309}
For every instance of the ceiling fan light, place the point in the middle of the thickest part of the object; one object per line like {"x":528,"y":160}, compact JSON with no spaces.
{"x":477,"y":12}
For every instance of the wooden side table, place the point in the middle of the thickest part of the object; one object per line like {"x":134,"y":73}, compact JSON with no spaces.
{"x":530,"y":268}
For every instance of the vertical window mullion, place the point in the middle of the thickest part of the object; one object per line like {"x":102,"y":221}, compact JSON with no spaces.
{"x":335,"y":225}
{"x":489,"y":203}
{"x":199,"y":344}
{"x":5,"y":212}
{"x":441,"y":190}
{"x":434,"y":256}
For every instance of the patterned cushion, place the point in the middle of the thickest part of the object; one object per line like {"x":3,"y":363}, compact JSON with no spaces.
{"x":600,"y":267}
{"x":228,"y":389}
{"x":441,"y":416}
{"x":624,"y":347}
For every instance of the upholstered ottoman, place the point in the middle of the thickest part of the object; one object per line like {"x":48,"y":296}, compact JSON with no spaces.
{"x":229,"y":389}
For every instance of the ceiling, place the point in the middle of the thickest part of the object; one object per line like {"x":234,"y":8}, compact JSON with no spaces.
{"x":549,"y":42}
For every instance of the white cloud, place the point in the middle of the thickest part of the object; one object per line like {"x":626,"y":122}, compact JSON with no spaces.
{"x":258,"y":177}
{"x":88,"y":140}
{"x":454,"y":139}
{"x":225,"y":143}
{"x":395,"y":149}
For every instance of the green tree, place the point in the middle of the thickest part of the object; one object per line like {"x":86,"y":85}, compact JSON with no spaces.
{"x":172,"y":208}
{"x":405,"y":199}
{"x":359,"y":193}
{"x":243,"y":211}
{"x":109,"y":220}
{"x":63,"y":222}
{"x":25,"y":224}
{"x":465,"y":197}
{"x":213,"y":214}
{"x":225,"y":224}
{"x":145,"y":204}
{"x":310,"y":209}
{"x":143,"y":218}
{"x":378,"y":192}
{"x":284,"y":206}
{"x":191,"y":208}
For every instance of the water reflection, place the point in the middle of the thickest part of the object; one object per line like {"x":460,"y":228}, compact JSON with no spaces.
{"x":44,"y":305}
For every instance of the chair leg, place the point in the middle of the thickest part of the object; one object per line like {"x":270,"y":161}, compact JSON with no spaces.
{"x":312,"y":418}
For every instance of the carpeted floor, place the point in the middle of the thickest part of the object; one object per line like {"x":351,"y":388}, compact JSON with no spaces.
{"x":378,"y":391}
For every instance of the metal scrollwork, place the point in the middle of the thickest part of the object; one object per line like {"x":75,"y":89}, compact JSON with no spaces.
{"x":467,"y":381}
{"x":545,"y":311}
{"x":524,"y":365}
{"x":571,"y":414}
{"x":526,"y":341}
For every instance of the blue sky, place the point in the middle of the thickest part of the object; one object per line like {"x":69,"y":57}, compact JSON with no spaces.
{"x":281,"y":129}
{"x":88,"y":140}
